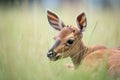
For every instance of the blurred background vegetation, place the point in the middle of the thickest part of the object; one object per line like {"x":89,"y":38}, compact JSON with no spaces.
{"x":26,"y":36}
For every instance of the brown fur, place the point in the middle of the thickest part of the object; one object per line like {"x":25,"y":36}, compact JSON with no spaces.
{"x":90,"y":56}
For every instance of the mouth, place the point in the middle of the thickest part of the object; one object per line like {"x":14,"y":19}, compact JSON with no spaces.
{"x":56,"y":57}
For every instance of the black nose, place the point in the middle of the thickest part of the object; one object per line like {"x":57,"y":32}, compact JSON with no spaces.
{"x":50,"y":54}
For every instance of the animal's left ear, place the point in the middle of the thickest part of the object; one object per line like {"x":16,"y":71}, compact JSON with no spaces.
{"x":55,"y":21}
{"x":81,"y":22}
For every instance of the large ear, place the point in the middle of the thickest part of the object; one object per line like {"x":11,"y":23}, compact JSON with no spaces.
{"x":54,"y":20}
{"x":81,"y":22}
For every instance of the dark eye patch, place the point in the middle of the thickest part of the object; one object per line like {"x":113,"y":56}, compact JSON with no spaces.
{"x":56,"y":44}
{"x":70,"y":41}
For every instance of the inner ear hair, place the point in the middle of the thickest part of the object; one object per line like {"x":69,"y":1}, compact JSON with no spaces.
{"x":54,"y":20}
{"x":81,"y":21}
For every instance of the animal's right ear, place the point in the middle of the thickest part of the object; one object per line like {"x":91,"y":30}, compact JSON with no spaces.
{"x":54,"y":20}
{"x":81,"y":22}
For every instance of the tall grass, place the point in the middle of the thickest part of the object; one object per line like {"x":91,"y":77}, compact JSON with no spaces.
{"x":25,"y":37}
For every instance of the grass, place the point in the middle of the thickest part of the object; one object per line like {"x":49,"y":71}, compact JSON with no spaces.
{"x":25,"y":37}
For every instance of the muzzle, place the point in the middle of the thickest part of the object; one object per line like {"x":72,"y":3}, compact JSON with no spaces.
{"x":51,"y":53}
{"x":53,"y":56}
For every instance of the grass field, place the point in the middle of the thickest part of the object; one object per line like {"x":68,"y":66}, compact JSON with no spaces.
{"x":25,"y":38}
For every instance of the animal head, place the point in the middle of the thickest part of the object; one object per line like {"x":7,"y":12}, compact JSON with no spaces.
{"x":69,"y":37}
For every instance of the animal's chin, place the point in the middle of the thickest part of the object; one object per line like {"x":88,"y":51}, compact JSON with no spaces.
{"x":56,"y":57}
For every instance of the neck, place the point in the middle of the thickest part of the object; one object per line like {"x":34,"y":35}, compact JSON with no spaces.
{"x":79,"y":55}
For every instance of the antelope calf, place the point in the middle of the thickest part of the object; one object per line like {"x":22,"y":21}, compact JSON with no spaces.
{"x":69,"y":43}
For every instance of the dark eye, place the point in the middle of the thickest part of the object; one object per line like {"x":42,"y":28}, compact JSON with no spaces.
{"x":70,"y":41}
